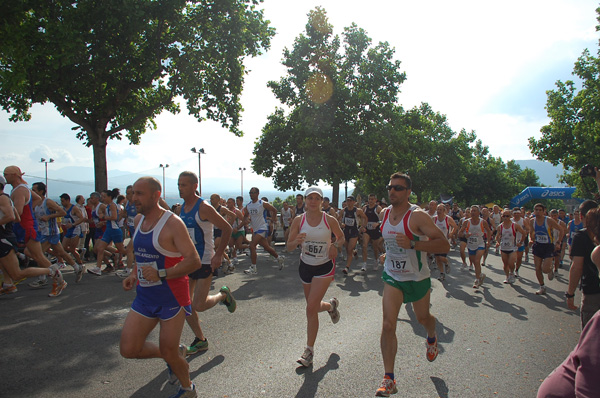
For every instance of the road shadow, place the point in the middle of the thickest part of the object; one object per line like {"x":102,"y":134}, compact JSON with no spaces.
{"x":444,"y":333}
{"x":440,"y":386}
{"x":312,"y":378}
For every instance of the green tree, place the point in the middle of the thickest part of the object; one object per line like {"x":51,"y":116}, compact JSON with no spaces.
{"x":112,"y":66}
{"x":334,"y":91}
{"x":572,"y":137}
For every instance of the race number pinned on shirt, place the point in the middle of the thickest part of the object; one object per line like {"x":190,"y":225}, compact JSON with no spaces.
{"x":140,"y":275}
{"x":315,"y":249}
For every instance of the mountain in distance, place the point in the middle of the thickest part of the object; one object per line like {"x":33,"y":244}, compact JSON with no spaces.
{"x":547,"y":173}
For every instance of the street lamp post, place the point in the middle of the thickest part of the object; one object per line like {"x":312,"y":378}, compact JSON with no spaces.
{"x":163,"y":187}
{"x":200,"y":152}
{"x":42,"y":160}
{"x":242,"y":180}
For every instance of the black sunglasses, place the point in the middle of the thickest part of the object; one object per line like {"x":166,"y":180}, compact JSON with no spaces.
{"x":397,"y":188}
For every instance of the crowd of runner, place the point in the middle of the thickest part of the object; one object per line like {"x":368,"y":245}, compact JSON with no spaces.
{"x":170,"y":255}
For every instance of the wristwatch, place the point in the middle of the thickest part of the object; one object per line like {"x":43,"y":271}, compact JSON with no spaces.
{"x":567,"y":295}
{"x":162,"y":274}
{"x":412,"y":244}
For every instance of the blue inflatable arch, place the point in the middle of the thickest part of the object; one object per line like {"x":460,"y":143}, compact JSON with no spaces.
{"x":530,"y":193}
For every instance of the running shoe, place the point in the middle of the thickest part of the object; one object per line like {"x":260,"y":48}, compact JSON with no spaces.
{"x":442,"y":277}
{"x":334,"y":313}
{"x":556,"y":273}
{"x":57,"y":288}
{"x":541,"y":291}
{"x":95,"y":271}
{"x":464,"y":266}
{"x":526,"y":258}
{"x":481,"y":278}
{"x":355,"y":253}
{"x":363,"y":266}
{"x":108,"y":269}
{"x":447,"y":268}
{"x":476,"y":283}
{"x":197,"y":346}
{"x":511,"y":278}
{"x":281,"y":261}
{"x":186,"y":393}
{"x":387,"y":388}
{"x":551,"y":275}
{"x":251,"y":270}
{"x":123,"y":273}
{"x":171,"y":378}
{"x":229,"y":301}
{"x":307,"y":358}
{"x":506,"y":280}
{"x":229,"y":270}
{"x":79,"y":270}
{"x":345,"y":270}
{"x":39,"y":283}
{"x":8,"y":290}
{"x":432,"y":350}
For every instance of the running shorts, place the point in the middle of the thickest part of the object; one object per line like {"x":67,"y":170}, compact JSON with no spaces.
{"x":412,"y":290}
{"x":308,"y":272}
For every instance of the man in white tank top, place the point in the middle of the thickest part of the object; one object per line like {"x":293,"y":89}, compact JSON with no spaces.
{"x":409,"y":234}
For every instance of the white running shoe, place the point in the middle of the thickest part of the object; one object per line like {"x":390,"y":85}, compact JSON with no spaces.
{"x":307,"y":358}
{"x":541,"y":291}
{"x":363,"y":266}
{"x":281,"y":261}
{"x":334,"y":313}
{"x":95,"y":271}
{"x":251,"y":270}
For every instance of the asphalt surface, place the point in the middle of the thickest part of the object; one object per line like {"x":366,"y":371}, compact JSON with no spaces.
{"x":498,"y":341}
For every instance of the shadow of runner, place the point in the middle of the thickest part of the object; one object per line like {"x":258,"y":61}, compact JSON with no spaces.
{"x":440,"y":386}
{"x":313,"y":378}
{"x":159,"y":385}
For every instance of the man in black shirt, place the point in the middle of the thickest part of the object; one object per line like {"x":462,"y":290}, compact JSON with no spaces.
{"x":582,"y":268}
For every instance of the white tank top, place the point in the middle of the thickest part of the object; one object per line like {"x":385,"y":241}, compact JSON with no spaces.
{"x":403,"y":264}
{"x":475,"y":239}
{"x":315,"y":249}
{"x":508,"y":238}
{"x":443,"y":225}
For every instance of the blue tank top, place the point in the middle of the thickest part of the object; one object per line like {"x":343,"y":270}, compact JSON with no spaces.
{"x":542,"y":232}
{"x":148,"y":252}
{"x":131,"y":213}
{"x":112,"y":224}
{"x":200,"y":231}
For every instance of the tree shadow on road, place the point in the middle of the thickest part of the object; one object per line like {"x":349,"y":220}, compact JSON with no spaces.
{"x":312,"y":378}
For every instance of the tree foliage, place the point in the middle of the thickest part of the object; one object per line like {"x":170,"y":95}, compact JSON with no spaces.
{"x":335,"y":92}
{"x":572,"y":137}
{"x":112,"y":66}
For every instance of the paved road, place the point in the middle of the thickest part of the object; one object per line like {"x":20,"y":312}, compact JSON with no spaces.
{"x":500,"y":341}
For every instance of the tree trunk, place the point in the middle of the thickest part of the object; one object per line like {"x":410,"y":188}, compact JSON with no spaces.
{"x":336,"y":194}
{"x":100,"y":169}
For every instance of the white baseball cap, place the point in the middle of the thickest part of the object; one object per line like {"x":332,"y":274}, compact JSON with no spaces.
{"x":316,"y":190}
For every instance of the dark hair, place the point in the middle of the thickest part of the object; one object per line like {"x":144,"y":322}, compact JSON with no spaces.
{"x":592,"y":221}
{"x":587,"y":206}
{"x":40,"y":186}
{"x":120,"y":198}
{"x":239,"y":198}
{"x":112,"y":193}
{"x":539,"y":205}
{"x":65,"y":196}
{"x":78,"y":197}
{"x":405,"y":177}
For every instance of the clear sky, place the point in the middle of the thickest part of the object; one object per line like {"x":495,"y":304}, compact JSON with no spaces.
{"x":486,"y":65}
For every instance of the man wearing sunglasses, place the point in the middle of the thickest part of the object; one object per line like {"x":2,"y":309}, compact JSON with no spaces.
{"x":409,"y":234}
